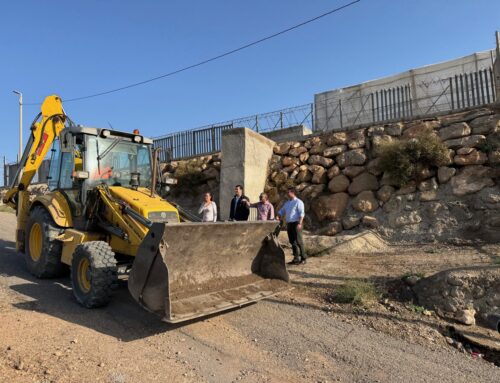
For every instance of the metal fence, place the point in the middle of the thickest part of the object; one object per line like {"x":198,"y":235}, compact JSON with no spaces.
{"x":445,"y":87}
{"x":191,"y":142}
{"x":10,"y":169}
{"x":208,"y":139}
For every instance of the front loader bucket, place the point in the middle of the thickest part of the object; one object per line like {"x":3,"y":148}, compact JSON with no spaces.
{"x":188,"y":270}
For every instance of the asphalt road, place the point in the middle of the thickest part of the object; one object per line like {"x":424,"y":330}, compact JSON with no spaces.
{"x":45,"y":336}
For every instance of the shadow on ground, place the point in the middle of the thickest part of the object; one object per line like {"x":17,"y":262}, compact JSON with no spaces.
{"x":123,"y":318}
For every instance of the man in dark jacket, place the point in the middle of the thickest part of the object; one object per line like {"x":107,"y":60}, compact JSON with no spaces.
{"x":239,"y":209}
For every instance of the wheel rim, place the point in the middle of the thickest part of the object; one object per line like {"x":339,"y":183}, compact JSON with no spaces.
{"x":36,"y":241}
{"x":84,"y":275}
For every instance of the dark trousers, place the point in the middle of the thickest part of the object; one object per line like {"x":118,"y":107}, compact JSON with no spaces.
{"x":295,"y":238}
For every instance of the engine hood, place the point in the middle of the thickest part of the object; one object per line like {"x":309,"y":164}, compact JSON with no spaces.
{"x":141,"y":201}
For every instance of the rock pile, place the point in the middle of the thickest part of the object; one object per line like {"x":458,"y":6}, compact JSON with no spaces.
{"x":194,"y":176}
{"x":463,"y":295}
{"x":339,"y":178}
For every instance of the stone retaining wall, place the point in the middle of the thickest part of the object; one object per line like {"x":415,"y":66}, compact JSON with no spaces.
{"x":195,"y":177}
{"x":338,"y":177}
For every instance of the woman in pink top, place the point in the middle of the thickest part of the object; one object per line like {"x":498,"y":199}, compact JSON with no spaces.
{"x":265,"y":209}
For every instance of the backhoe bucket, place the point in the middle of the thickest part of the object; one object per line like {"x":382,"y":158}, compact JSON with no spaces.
{"x":188,"y":270}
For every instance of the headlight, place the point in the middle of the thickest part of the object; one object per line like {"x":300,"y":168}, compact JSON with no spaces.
{"x":163,"y":216}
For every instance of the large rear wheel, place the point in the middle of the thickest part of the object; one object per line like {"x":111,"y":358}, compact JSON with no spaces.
{"x":42,"y":251}
{"x":93,"y":273}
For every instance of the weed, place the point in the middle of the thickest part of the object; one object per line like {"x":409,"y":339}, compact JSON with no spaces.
{"x":409,"y":274}
{"x":416,"y":308}
{"x":357,"y":292}
{"x":403,"y":159}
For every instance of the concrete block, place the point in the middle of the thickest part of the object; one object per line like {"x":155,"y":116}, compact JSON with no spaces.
{"x":245,"y":158}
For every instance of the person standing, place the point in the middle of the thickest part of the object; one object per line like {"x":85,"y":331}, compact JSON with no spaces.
{"x":208,"y":209}
{"x":239,"y":210}
{"x":293,"y":210}
{"x":265,"y":209}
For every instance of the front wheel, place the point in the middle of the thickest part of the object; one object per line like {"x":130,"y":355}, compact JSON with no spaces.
{"x":93,"y":273}
{"x":42,"y":250}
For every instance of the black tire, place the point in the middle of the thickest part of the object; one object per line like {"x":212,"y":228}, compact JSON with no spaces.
{"x":93,"y":289}
{"x":47,"y":261}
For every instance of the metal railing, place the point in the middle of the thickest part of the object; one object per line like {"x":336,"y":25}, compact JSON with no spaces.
{"x":338,"y":111}
{"x":208,"y":139}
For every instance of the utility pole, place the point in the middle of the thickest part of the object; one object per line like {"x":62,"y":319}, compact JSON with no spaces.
{"x":20,"y":154}
{"x":496,"y":67}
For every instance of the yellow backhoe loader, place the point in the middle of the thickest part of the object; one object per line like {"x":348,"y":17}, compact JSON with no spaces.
{"x":103,"y":219}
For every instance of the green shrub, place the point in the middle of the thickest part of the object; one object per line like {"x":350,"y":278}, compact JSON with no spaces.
{"x":404,"y":159}
{"x":356,"y":292}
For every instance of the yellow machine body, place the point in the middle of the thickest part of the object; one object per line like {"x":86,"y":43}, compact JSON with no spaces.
{"x":98,"y":196}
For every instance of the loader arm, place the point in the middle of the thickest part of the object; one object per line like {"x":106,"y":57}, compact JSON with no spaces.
{"x":43,"y":133}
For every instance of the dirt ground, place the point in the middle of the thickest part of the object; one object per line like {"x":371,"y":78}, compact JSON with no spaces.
{"x":297,"y":336}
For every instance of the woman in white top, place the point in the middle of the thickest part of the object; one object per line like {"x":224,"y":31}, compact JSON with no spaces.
{"x":208,"y":209}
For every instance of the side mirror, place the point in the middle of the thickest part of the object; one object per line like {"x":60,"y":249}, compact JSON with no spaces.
{"x":80,"y":175}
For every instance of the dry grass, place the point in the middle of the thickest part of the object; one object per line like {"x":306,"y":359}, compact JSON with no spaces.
{"x":404,"y":159}
{"x":6,"y":209}
{"x":357,"y":292}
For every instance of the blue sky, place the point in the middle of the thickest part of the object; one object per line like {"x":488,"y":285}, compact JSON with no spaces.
{"x":82,"y":47}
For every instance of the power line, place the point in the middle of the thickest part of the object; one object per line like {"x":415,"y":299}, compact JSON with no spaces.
{"x":222,"y":55}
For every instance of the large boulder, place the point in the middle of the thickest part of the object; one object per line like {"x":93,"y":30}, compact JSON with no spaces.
{"x":333,"y":151}
{"x":365,"y":181}
{"x":463,"y":116}
{"x":338,"y":138}
{"x":457,"y":130}
{"x":353,"y":171}
{"x":304,"y":175}
{"x":351,"y":157}
{"x":486,"y":124}
{"x":333,"y":171}
{"x":338,"y":184}
{"x":356,"y":139}
{"x":282,"y":148}
{"x":318,"y":149}
{"x":469,"y":142}
{"x":458,"y":294}
{"x":295,"y":152}
{"x":312,"y":191}
{"x":475,"y":157}
{"x":445,"y":173}
{"x":365,"y":202}
{"x":471,"y":179}
{"x":330,"y":207}
{"x":320,"y":160}
{"x":416,"y":128}
{"x":319,"y":174}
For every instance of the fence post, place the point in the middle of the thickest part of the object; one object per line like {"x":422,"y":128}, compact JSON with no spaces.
{"x":213,"y":139}
{"x":496,"y":67}
{"x":257,"y":123}
{"x":340,"y":114}
{"x":281,"y":120}
{"x":312,"y":116}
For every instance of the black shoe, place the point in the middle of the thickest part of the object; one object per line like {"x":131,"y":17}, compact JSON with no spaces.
{"x":303,"y":261}
{"x":295,"y":261}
